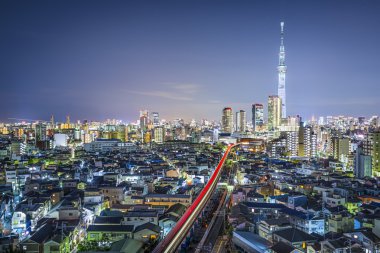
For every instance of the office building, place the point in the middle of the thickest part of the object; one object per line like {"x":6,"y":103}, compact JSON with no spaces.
{"x":144,"y":119}
{"x":241,"y":121}
{"x":274,"y":112}
{"x":156,"y":118}
{"x":227,"y":120}
{"x":257,"y":117}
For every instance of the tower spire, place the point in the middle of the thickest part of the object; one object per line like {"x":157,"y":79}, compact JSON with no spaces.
{"x":281,"y":69}
{"x":282,"y":34}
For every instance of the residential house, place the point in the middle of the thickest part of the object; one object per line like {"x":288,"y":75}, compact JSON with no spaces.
{"x":114,"y":193}
{"x":282,"y":247}
{"x":238,"y":196}
{"x":167,"y":200}
{"x":9,"y":243}
{"x":294,"y":237}
{"x":110,"y":232}
{"x":366,"y":239}
{"x":108,"y":220}
{"x":340,"y":245}
{"x":35,"y":243}
{"x":341,"y":222}
{"x":310,"y":222}
{"x":267,"y":227}
{"x":253,"y":196}
{"x":147,"y":232}
{"x":139,"y":217}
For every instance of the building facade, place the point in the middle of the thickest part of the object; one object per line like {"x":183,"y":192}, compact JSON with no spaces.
{"x":227,"y":120}
{"x":274,"y":112}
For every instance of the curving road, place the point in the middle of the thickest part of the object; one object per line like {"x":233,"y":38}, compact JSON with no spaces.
{"x":176,"y":236}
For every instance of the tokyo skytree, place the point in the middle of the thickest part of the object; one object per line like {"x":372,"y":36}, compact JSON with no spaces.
{"x":281,"y":69}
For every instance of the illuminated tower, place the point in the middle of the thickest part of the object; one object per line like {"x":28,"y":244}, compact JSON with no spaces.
{"x":281,"y":69}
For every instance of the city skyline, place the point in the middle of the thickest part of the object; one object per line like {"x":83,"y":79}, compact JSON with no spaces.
{"x":103,"y":61}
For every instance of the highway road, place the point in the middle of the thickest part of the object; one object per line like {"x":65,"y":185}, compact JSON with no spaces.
{"x":176,"y":236}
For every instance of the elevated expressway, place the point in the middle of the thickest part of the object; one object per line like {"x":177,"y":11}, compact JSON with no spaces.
{"x":176,"y":236}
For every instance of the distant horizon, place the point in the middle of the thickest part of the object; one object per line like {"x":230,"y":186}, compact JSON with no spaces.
{"x":249,"y":119}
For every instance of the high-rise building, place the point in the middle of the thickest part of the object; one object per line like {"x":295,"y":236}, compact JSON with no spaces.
{"x":40,"y":132}
{"x":310,"y":142}
{"x":277,"y":146}
{"x":52,"y":122}
{"x":274,"y":112}
{"x":215,"y":135}
{"x":340,"y":147}
{"x":227,"y":120}
{"x":281,"y":69}
{"x":363,"y":164}
{"x":159,"y":135}
{"x":156,"y":118}
{"x":371,"y":146}
{"x":257,"y":117}
{"x":237,"y":121}
{"x":144,"y":119}
{"x":292,"y":143}
{"x":241,"y":121}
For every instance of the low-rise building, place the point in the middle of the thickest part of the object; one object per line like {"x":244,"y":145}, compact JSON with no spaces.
{"x":112,"y":232}
{"x":167,"y":200}
{"x":139,"y":217}
{"x":147,"y":232}
{"x":340,"y":222}
{"x":267,"y":227}
{"x":294,"y":237}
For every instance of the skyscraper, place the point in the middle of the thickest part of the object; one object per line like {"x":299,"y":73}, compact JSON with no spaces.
{"x":274,"y":112}
{"x":227,"y":120}
{"x":159,"y":134}
{"x":241,"y":121}
{"x":363,"y":164}
{"x":144,"y":119}
{"x":281,"y":69}
{"x":257,"y":116}
{"x":156,"y":119}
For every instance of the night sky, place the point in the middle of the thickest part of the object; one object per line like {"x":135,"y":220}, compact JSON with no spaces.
{"x":109,"y":59}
